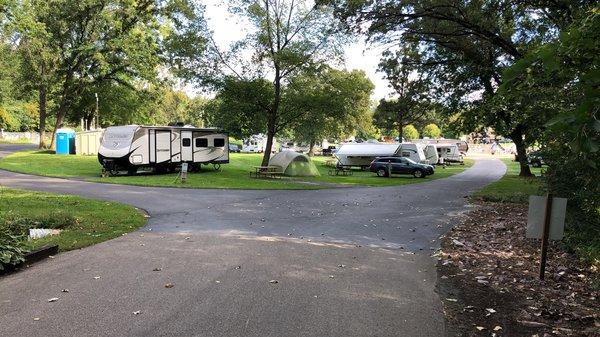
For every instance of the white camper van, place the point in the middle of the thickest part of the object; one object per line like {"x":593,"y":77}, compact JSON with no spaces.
{"x":450,"y":153}
{"x":161,"y":147}
{"x":257,"y":144}
{"x":362,"y":154}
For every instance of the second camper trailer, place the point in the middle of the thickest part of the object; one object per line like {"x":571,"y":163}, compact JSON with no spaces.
{"x":362,"y":154}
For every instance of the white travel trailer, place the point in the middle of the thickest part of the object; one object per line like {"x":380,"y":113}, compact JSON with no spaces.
{"x":450,"y":153}
{"x":362,"y":154}
{"x":431,"y":154}
{"x":294,"y":146}
{"x":162,"y":148}
{"x":257,"y":144}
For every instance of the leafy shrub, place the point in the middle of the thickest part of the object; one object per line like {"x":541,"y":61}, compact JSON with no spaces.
{"x":432,"y":131}
{"x":11,"y":248}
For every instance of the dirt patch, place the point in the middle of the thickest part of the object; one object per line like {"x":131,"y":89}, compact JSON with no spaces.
{"x":488,"y":280}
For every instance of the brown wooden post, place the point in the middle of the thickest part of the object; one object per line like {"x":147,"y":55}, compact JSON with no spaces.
{"x":546,"y":234}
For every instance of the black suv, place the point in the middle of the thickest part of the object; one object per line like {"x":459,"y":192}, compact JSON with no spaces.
{"x":400,"y":165}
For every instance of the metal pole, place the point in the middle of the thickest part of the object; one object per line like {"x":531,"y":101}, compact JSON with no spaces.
{"x":546,"y":234}
{"x":96,"y":94}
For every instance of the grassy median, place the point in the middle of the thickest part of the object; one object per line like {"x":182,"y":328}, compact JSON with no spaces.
{"x":512,"y":188}
{"x":83,"y":222}
{"x":234,"y":175}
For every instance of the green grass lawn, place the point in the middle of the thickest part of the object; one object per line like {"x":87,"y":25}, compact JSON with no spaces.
{"x":233,"y":175}
{"x":512,"y":188}
{"x":84,"y":222}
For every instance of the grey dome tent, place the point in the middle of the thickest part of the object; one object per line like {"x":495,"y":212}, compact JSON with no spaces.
{"x":293,"y":163}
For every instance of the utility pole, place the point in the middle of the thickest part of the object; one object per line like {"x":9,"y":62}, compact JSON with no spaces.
{"x":96,"y":94}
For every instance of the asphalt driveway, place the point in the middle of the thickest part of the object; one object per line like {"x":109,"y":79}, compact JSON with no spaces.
{"x":348,"y":262}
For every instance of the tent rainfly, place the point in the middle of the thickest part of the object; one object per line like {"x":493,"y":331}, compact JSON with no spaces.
{"x":294,"y":164}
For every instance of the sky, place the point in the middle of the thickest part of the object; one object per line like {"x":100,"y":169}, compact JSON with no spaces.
{"x":227,"y":29}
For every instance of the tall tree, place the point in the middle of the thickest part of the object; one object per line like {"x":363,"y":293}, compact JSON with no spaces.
{"x":72,"y":45}
{"x":467,"y":45}
{"x":288,"y":37}
{"x":330,"y":104}
{"x":411,"y":102}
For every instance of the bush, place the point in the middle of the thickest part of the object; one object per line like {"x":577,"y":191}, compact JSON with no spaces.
{"x":410,"y":132}
{"x":11,"y":248}
{"x":432,"y":131}
{"x":14,"y":232}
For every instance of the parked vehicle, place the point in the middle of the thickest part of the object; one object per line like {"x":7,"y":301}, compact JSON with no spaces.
{"x":450,"y":153}
{"x":330,"y":150}
{"x":297,"y":147}
{"x":397,"y":165}
{"x":362,"y":154}
{"x":431,"y":154}
{"x":234,"y":148}
{"x":257,"y":144}
{"x":162,"y":148}
{"x":535,"y":159}
{"x":463,"y":146}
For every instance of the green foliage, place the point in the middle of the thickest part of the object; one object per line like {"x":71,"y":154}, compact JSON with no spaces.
{"x":561,"y":80}
{"x":410,"y":132}
{"x":239,"y":107}
{"x":432,"y":131}
{"x":332,"y":104}
{"x":11,"y":248}
{"x":71,"y":49}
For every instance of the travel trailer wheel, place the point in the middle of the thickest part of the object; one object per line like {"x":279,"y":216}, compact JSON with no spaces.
{"x":382,"y":172}
{"x":217,"y":166}
{"x":418,"y":174}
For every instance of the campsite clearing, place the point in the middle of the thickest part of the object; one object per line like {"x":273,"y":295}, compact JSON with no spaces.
{"x":234,"y":175}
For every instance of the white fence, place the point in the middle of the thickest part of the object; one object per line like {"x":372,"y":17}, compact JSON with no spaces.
{"x":32,"y":137}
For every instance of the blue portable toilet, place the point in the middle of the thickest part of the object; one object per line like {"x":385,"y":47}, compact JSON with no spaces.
{"x":65,"y":141}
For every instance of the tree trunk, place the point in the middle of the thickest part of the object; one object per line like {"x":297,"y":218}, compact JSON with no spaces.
{"x":311,"y":148}
{"x":272,"y":117}
{"x":268,"y":147}
{"x":42,"y":108}
{"x":517,"y":137}
{"x":400,"y":131}
{"x":89,"y":119}
{"x":60,"y":116}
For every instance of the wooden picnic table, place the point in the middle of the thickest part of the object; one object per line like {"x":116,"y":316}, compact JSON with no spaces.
{"x":266,"y":172}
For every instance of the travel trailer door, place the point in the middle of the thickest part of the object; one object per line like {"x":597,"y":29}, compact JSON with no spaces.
{"x":186,"y":146}
{"x":163,"y":145}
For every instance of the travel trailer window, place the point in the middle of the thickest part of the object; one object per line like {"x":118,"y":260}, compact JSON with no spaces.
{"x":219,"y":142}
{"x":201,"y":142}
{"x":186,"y":142}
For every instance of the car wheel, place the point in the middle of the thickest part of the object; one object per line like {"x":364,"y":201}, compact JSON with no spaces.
{"x":418,"y":174}
{"x":382,"y":172}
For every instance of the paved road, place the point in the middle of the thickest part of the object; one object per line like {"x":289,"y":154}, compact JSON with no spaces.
{"x":220,"y":248}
